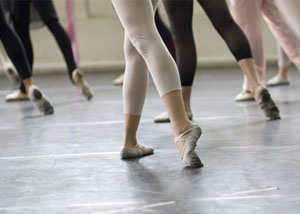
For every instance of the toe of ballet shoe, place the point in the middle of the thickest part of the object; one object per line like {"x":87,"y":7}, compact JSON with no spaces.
{"x":273,"y":114}
{"x":266,"y":103}
{"x":277,"y":81}
{"x":82,"y":85}
{"x":87,"y":92}
{"x":135,"y":152}
{"x":16,"y":96}
{"x":188,"y":141}
{"x":162,"y":118}
{"x":192,"y":160}
{"x":244,"y":96}
{"x":39,"y":100}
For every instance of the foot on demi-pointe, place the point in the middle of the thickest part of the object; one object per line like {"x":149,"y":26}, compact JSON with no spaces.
{"x":278,"y":80}
{"x":81,"y":84}
{"x":119,"y":80}
{"x":16,"y":96}
{"x":164,"y":117}
{"x":134,"y":152}
{"x":244,"y":96}
{"x":186,"y":144}
{"x":267,"y":105}
{"x":39,"y":100}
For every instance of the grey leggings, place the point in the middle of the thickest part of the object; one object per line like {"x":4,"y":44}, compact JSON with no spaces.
{"x":144,"y":50}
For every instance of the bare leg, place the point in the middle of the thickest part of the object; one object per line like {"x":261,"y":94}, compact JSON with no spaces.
{"x":284,"y":72}
{"x":187,"y":93}
{"x":247,"y":14}
{"x":131,"y":126}
{"x":176,"y":110}
{"x":282,"y":77}
{"x":144,"y":50}
{"x":119,"y":80}
{"x":131,"y":148}
{"x":28,"y":82}
{"x":248,"y":67}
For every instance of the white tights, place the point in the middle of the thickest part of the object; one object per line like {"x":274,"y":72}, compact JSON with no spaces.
{"x":144,"y":50}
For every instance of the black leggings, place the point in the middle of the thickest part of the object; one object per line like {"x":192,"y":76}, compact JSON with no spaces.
{"x":47,"y":12}
{"x":14,"y":47}
{"x":165,"y":34}
{"x":180,"y":14}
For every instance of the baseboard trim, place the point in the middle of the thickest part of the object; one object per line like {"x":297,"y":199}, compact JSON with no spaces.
{"x":114,"y":66}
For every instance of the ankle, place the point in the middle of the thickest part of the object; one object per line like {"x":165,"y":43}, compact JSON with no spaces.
{"x":27,"y":83}
{"x":181,"y":128}
{"x":188,"y":109}
{"x":283,"y":72}
{"x":186,"y":95}
{"x":247,"y":91}
{"x":255,"y":87}
{"x":129,"y":142}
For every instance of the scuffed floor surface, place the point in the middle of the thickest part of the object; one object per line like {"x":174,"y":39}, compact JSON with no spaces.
{"x":70,"y":163}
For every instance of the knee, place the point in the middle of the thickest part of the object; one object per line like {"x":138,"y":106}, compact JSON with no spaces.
{"x":51,"y":22}
{"x":130,"y":51}
{"x":228,"y":22}
{"x":142,"y":41}
{"x":181,"y":34}
{"x":227,"y":25}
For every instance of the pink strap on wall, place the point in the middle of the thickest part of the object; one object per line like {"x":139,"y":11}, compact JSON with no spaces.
{"x":71,"y":28}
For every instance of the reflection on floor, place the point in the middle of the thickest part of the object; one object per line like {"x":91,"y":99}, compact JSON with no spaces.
{"x":69,"y":162}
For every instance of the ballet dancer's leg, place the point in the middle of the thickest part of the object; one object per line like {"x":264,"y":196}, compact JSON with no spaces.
{"x":16,"y":52}
{"x":180,"y":14}
{"x":165,"y":34}
{"x":238,"y":44}
{"x":247,"y":14}
{"x":48,"y":14}
{"x":282,"y":77}
{"x":8,"y":66}
{"x":286,"y":37}
{"x":137,"y":18}
{"x":21,"y":26}
{"x":166,"y":37}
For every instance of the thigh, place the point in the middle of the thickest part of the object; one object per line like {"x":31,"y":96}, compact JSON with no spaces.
{"x":217,"y":11}
{"x":21,"y":11}
{"x":136,"y":71}
{"x":136,"y":16}
{"x":45,"y":9}
{"x":247,"y":13}
{"x":180,"y":13}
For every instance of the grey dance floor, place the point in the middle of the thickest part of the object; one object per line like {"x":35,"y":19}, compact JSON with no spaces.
{"x":69,"y":162}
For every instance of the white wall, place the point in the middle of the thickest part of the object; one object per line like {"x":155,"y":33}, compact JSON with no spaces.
{"x":100,"y":39}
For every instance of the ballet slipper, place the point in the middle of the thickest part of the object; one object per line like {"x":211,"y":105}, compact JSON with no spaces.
{"x":244,"y":96}
{"x":138,"y":151}
{"x":39,"y":100}
{"x":186,"y":144}
{"x":16,"y":96}
{"x":81,"y":84}
{"x":267,"y":105}
{"x":277,"y":81}
{"x":119,"y":80}
{"x":164,"y":117}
